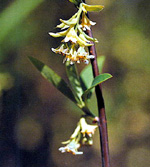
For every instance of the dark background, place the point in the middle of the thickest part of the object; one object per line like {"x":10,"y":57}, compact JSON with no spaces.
{"x":35,"y":118}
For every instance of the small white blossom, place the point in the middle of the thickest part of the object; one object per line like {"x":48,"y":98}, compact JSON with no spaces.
{"x":71,"y":36}
{"x":72,"y":147}
{"x":87,"y":129}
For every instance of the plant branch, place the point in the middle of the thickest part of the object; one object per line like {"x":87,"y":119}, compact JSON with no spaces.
{"x":102,"y":123}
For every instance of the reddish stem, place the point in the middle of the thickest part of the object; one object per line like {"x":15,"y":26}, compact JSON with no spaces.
{"x":102,"y":123}
{"x":101,"y":110}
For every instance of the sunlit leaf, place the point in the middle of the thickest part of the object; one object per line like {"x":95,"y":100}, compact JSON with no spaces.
{"x":54,"y":78}
{"x":97,"y":80}
{"x":86,"y":75}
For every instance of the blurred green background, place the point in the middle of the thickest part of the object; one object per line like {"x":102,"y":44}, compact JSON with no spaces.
{"x":35,"y":118}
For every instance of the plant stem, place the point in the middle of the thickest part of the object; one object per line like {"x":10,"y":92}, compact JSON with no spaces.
{"x":102,"y":123}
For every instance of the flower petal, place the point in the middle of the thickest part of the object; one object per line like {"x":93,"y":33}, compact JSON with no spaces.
{"x":59,"y":34}
{"x":92,"y":8}
{"x":85,"y":22}
{"x":62,"y":26}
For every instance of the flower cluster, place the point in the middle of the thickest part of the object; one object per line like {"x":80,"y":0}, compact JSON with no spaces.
{"x":74,"y":45}
{"x":82,"y":136}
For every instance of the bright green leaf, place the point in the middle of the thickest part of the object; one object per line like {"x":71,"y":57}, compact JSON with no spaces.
{"x":86,"y":75}
{"x":97,"y":80}
{"x":54,"y":78}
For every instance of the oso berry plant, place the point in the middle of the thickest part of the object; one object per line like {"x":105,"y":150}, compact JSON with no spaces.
{"x":77,"y":46}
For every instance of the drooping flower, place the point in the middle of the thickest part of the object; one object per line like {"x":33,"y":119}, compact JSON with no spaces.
{"x":86,"y":23}
{"x":78,"y":56}
{"x":75,"y":39}
{"x":73,"y":143}
{"x":72,"y":55}
{"x":67,"y":23}
{"x":71,"y":147}
{"x":83,"y":55}
{"x":83,"y":135}
{"x":72,"y":36}
{"x":62,"y":49}
{"x":87,"y":129}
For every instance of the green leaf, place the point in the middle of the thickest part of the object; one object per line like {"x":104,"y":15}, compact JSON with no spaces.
{"x":86,"y":75}
{"x":74,"y":81}
{"x":97,"y":80}
{"x":14,"y":14}
{"x":53,"y":78}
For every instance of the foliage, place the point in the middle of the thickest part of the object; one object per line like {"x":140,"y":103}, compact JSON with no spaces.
{"x":75,"y":93}
{"x":74,"y":47}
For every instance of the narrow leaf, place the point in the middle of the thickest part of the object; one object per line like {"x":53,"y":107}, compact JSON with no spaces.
{"x":97,"y":80}
{"x":74,"y":80}
{"x":54,"y":78}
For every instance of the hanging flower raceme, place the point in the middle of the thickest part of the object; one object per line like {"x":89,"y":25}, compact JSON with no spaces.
{"x":83,"y":135}
{"x":75,"y":42}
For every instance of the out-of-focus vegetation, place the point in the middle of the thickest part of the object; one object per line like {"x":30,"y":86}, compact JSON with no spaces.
{"x":35,"y":118}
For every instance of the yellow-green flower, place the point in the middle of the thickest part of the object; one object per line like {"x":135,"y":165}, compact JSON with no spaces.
{"x":72,"y":36}
{"x":91,"y":8}
{"x":86,"y":23}
{"x":75,"y":39}
{"x":67,"y":23}
{"x":59,"y":34}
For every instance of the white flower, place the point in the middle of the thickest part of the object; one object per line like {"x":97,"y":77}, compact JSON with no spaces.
{"x":62,"y":49}
{"x":83,"y":55}
{"x":71,"y":36}
{"x":86,"y":128}
{"x":72,"y":147}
